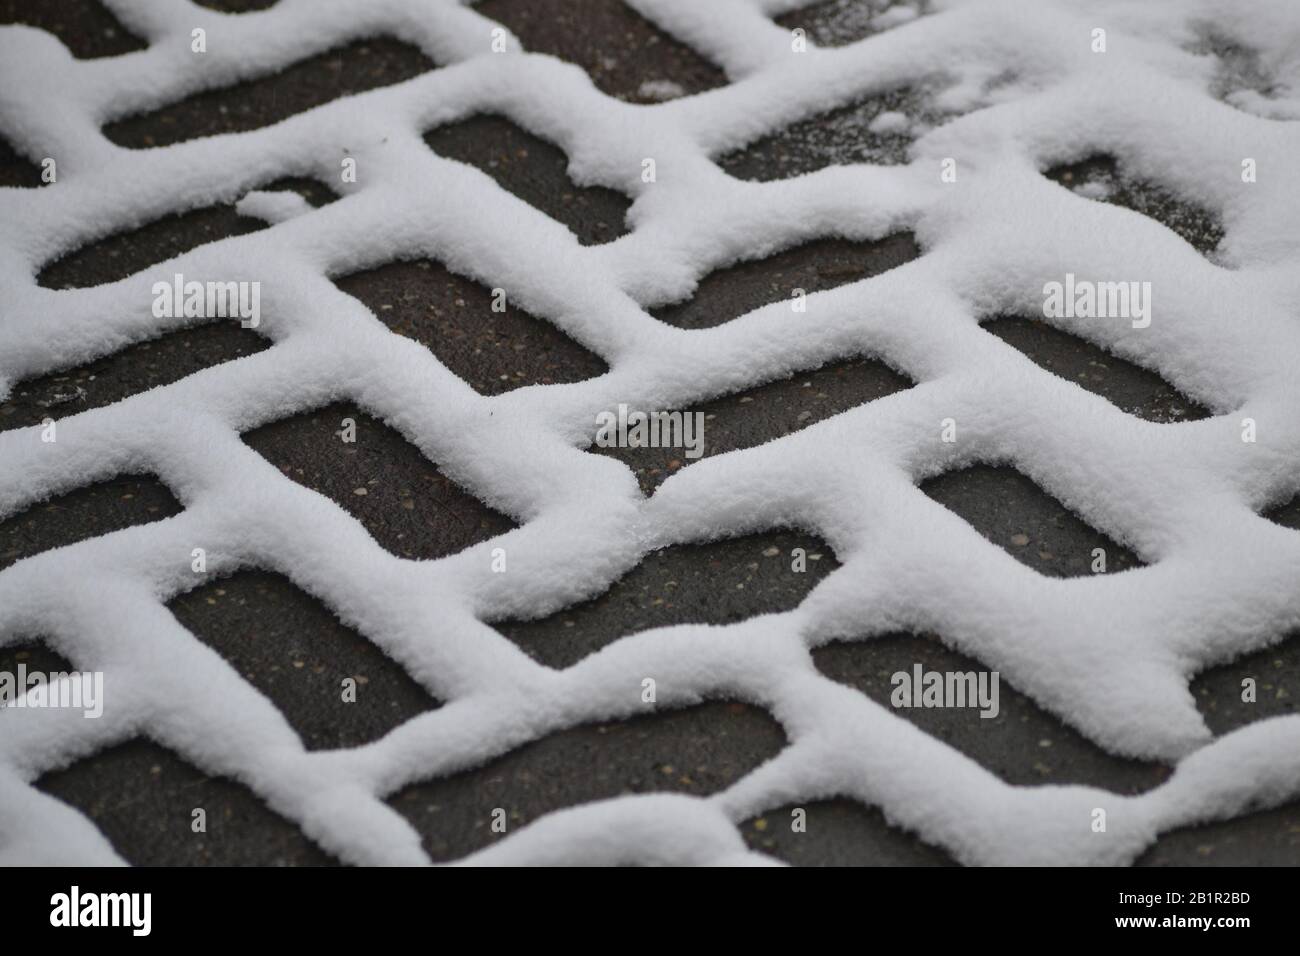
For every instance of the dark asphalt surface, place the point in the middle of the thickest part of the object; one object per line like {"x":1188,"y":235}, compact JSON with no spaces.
{"x":381,"y":479}
{"x":1030,"y":525}
{"x":836,"y":137}
{"x":840,"y":22}
{"x":1023,"y":744}
{"x":86,"y":27}
{"x":617,"y":47}
{"x":495,"y":352}
{"x":97,"y":509}
{"x":699,"y":750}
{"x":1128,"y":387}
{"x":760,"y":414}
{"x":536,"y":172}
{"x":355,"y":68}
{"x":722,"y":582}
{"x":290,"y":645}
{"x":126,"y":253}
{"x":291,"y":648}
{"x":136,"y":368}
{"x":142,"y":798}
{"x":1105,"y":176}
{"x":16,"y":170}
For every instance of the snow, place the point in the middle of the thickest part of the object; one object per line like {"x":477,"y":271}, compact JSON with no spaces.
{"x":272,"y":206}
{"x":1111,"y":655}
{"x":660,"y":90}
{"x":890,"y":121}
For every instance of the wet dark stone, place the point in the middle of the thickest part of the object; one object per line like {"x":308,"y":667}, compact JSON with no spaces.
{"x":297,"y":653}
{"x":1239,"y":68}
{"x":1193,"y":224}
{"x":86,"y":27}
{"x":133,"y":370}
{"x":88,"y":512}
{"x":763,"y":414}
{"x":814,"y":267}
{"x":1276,"y":671}
{"x":15,"y":169}
{"x":1130,"y":388}
{"x":355,"y":68}
{"x":835,"y":138}
{"x":619,"y":49}
{"x":452,"y":316}
{"x":404,"y":501}
{"x":841,"y":22}
{"x":697,"y":751}
{"x":237,"y":6}
{"x":1023,"y":744}
{"x":717,"y":583}
{"x":1286,"y":514}
{"x":124,"y":254}
{"x":1011,"y":511}
{"x":535,"y":171}
{"x":142,"y":797}
{"x":33,"y":657}
{"x":838,"y":832}
{"x":1265,"y":838}
{"x":314,"y":191}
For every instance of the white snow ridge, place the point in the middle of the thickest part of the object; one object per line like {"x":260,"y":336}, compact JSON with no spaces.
{"x":1111,"y":655}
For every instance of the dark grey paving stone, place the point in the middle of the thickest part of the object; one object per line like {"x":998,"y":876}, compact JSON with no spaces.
{"x":124,"y":254}
{"x":314,"y":191}
{"x":770,"y":411}
{"x":1025,"y":521}
{"x":34,"y":657}
{"x":534,"y":170}
{"x":355,"y":68}
{"x":763,"y":414}
{"x":1286,"y":514}
{"x":1238,"y":67}
{"x":85,"y":513}
{"x":834,"y":138}
{"x":1023,"y":744}
{"x":1266,"y":838}
{"x":838,"y":833}
{"x":839,"y":22}
{"x":470,"y":815}
{"x":1195,"y":225}
{"x":237,"y":6}
{"x":294,"y":650}
{"x":142,"y":797}
{"x":1131,"y":388}
{"x":717,"y":583}
{"x":1276,"y":672}
{"x":135,"y":369}
{"x":452,"y":316}
{"x":16,"y":170}
{"x":697,"y":751}
{"x":1218,"y":694}
{"x":406,"y":503}
{"x":619,"y":49}
{"x":86,"y":27}
{"x":813,"y":266}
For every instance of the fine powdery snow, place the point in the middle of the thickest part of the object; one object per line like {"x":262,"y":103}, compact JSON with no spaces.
{"x":1022,"y":90}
